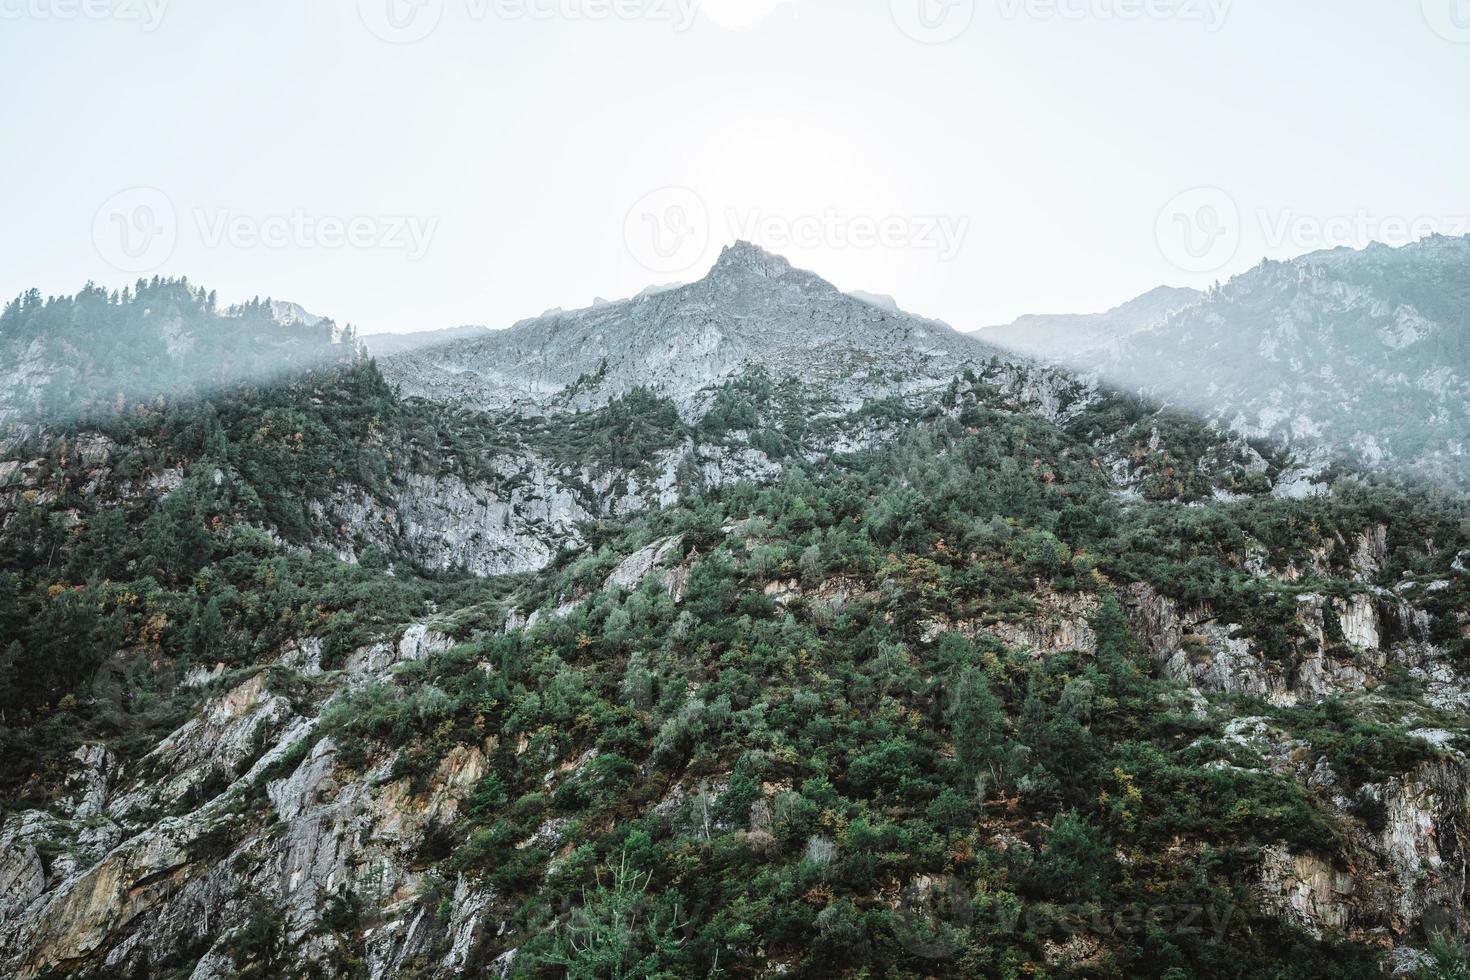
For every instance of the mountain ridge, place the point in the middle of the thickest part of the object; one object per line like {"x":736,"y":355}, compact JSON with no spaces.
{"x":1358,"y":356}
{"x":752,"y":308}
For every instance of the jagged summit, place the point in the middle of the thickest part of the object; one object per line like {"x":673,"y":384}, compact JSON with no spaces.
{"x":744,"y":258}
{"x":752,"y":310}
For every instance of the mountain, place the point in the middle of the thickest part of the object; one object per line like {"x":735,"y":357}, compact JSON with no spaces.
{"x":387,"y":344}
{"x":1341,"y":356}
{"x":752,"y":311}
{"x":1074,"y":338}
{"x":291,"y":314}
{"x":876,"y":299}
{"x":813,"y":637}
{"x":1357,"y":355}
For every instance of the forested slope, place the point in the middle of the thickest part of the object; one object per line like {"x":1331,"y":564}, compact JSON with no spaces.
{"x":1008,"y":676}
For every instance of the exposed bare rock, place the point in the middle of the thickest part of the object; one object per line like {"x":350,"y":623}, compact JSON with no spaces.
{"x":631,"y":572}
{"x":1307,"y":890}
{"x":1195,"y":646}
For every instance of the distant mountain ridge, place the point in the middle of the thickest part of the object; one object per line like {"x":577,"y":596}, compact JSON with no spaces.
{"x":388,"y":344}
{"x":1360,"y":355}
{"x":1069,"y":337}
{"x":103,"y":352}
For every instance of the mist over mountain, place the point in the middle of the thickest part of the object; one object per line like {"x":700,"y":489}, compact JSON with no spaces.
{"x":99,"y":352}
{"x":387,"y":344}
{"x":832,"y":641}
{"x":1354,"y":355}
{"x":1077,"y":338}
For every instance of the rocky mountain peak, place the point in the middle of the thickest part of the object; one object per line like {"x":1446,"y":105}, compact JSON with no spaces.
{"x":744,"y":259}
{"x":753,"y":310}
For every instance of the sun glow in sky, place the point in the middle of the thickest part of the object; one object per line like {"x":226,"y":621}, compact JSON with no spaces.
{"x":412,"y":164}
{"x":739,"y":14}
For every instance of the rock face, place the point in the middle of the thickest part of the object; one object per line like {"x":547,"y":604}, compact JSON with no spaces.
{"x":444,"y":522}
{"x":1407,"y":870}
{"x":1057,"y":623}
{"x":1407,"y":865}
{"x":137,"y":886}
{"x":752,"y":310}
{"x":1196,"y":646}
{"x":631,"y":572}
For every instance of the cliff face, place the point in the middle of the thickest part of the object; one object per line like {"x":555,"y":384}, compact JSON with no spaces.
{"x":1404,"y":867}
{"x":239,"y":816}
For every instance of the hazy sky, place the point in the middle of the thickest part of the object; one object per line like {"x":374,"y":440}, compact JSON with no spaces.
{"x":407,"y":164}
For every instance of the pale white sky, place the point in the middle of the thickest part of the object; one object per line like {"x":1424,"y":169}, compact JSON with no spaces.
{"x":409,"y":164}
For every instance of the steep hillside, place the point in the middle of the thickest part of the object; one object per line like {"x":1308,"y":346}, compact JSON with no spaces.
{"x":800,"y":656}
